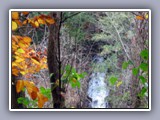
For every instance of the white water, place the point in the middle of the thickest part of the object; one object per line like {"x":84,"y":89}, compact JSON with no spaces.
{"x":97,"y":89}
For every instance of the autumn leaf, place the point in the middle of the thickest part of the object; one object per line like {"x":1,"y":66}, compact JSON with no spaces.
{"x":19,"y":86}
{"x":41,"y":20}
{"x":27,"y":39}
{"x":33,"y":95}
{"x":36,"y":24}
{"x":14,"y":38}
{"x":20,"y":50}
{"x":15,"y":15}
{"x":15,"y":71}
{"x":35,"y":61}
{"x":14,"y":26}
{"x":41,"y":100}
{"x":18,"y":59}
{"x":50,"y":20}
{"x":146,"y":16}
{"x":18,"y":22}
{"x":25,"y":13}
{"x":119,"y":83}
{"x":24,"y":22}
{"x":139,"y":17}
{"x":23,"y":72}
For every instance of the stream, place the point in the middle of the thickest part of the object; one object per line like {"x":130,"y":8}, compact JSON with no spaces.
{"x":97,"y":89}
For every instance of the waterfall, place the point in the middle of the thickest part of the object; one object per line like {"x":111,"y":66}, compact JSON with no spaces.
{"x":97,"y":88}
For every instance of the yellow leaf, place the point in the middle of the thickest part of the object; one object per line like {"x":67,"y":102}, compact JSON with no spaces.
{"x":146,"y":16}
{"x":119,"y":83}
{"x":20,"y":50}
{"x":15,"y":15}
{"x":23,"y":72}
{"x":36,"y":24}
{"x":35,"y":61}
{"x":18,"y":60}
{"x":139,"y":17}
{"x":19,"y":86}
{"x":14,"y":26}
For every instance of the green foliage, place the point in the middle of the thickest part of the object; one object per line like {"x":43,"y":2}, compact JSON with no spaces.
{"x":46,"y":92}
{"x":75,"y":25}
{"x":144,"y":66}
{"x":72,"y":77}
{"x":23,"y":100}
{"x":142,"y":92}
{"x":142,"y":79}
{"x":144,"y":54}
{"x":135,"y":71}
{"x":113,"y":80}
{"x":125,"y":65}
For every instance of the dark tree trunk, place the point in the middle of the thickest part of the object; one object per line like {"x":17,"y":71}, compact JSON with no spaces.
{"x":53,"y":59}
{"x":14,"y":95}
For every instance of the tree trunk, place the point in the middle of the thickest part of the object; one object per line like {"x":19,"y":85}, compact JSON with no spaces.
{"x":53,"y":59}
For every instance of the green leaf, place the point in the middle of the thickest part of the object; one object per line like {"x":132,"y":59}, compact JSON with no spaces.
{"x":144,"y":66}
{"x":143,"y":80}
{"x":26,"y":101}
{"x":20,"y":100}
{"x":73,"y":70}
{"x":142,"y":92}
{"x":135,"y":71}
{"x":144,"y":54}
{"x":42,"y":89}
{"x":68,"y":67}
{"x":125,"y":65}
{"x":113,"y":80}
{"x":78,"y":84}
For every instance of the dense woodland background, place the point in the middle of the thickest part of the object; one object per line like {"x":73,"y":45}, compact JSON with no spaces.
{"x":54,"y":56}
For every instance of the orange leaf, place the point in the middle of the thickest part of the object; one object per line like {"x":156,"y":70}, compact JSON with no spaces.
{"x":50,"y":20}
{"x":21,"y":45}
{"x":19,"y":86}
{"x":27,"y":39}
{"x":18,"y":22}
{"x":41,"y":20}
{"x":25,"y":13}
{"x":33,"y":95}
{"x":14,"y":38}
{"x":139,"y":17}
{"x":25,"y":22}
{"x":15,"y":15}
{"x":41,"y":100}
{"x":15,"y":71}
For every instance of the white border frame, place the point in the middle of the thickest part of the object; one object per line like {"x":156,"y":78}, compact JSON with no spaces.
{"x":107,"y":10}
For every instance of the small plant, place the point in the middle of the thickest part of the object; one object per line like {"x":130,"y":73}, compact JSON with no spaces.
{"x":72,"y":77}
{"x":141,"y":71}
{"x":35,"y":97}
